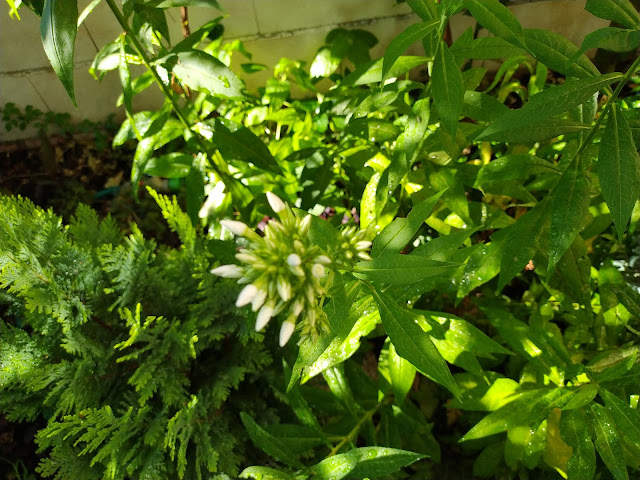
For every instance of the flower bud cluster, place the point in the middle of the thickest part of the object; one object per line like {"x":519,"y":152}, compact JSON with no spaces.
{"x":283,"y":272}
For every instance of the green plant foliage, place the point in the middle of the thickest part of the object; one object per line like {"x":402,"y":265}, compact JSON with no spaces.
{"x":451,"y":252}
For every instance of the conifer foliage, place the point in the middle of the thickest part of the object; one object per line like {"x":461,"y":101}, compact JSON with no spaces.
{"x":132,"y":352}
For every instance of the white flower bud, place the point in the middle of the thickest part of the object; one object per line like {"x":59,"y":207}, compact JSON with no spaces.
{"x":297,"y":271}
{"x":246,"y":257}
{"x":246,"y":295}
{"x":214,"y":200}
{"x":323,"y":259}
{"x":235,"y":227}
{"x":277,"y":205}
{"x":284,"y":289}
{"x":294,"y":260}
{"x":363,"y":245}
{"x":228,"y":271}
{"x":304,"y":224}
{"x":285,"y":332}
{"x":363,"y":256}
{"x":311,"y":293}
{"x":264,"y":315}
{"x":259,"y":299}
{"x":317,"y":270}
{"x":298,"y":305}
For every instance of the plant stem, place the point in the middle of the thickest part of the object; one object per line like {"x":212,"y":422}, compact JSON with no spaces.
{"x":630,"y":71}
{"x":354,"y":431}
{"x":239,"y":191}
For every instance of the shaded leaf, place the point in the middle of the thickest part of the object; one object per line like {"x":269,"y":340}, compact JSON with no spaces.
{"x":619,"y":11}
{"x":268,"y":443}
{"x":447,"y":88}
{"x":575,"y":433}
{"x":608,"y":442}
{"x":372,"y":71}
{"x":58,"y":29}
{"x":569,"y":208}
{"x":402,"y":41}
{"x":498,"y":19}
{"x":619,"y":169}
{"x":412,"y":343}
{"x":627,"y":418}
{"x":550,"y":102}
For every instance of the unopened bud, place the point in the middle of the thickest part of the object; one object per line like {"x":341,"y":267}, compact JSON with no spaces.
{"x":323,"y":259}
{"x":284,"y":289}
{"x":363,"y":245}
{"x":228,"y":271}
{"x":317,"y":270}
{"x":246,"y":295}
{"x":304,"y":224}
{"x":264,"y":315}
{"x":294,"y":260}
{"x":276,"y":203}
{"x":286,"y":331}
{"x":259,"y":299}
{"x":235,"y":227}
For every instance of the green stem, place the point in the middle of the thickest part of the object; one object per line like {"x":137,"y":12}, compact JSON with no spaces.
{"x":354,"y":431}
{"x":630,"y":71}
{"x":239,"y":191}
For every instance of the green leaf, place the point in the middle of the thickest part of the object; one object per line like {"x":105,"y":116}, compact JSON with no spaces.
{"x":611,"y":39}
{"x":483,"y":107}
{"x":627,"y":418}
{"x":298,"y":438}
{"x":483,"y":265}
{"x":240,"y":143}
{"x":58,"y":29}
{"x":575,"y":433}
{"x":619,"y":169}
{"x":372,"y":72}
{"x":171,"y":165}
{"x":203,"y":72}
{"x":518,"y":166}
{"x":608,"y":442}
{"x":183,"y":3}
{"x":404,"y":40}
{"x":555,"y":51}
{"x":550,"y":102}
{"x":425,"y":9}
{"x":196,"y":37}
{"x":396,"y":269}
{"x":364,"y":320}
{"x":412,"y":343}
{"x":397,"y":234}
{"x":398,"y":372}
{"x":340,"y":322}
{"x":536,"y":132}
{"x":619,"y":11}
{"x":611,"y":365}
{"x":526,"y":408}
{"x":520,"y":243}
{"x":486,"y":48}
{"x":409,"y":142}
{"x":378,"y":462}
{"x":125,"y":81}
{"x":569,"y":209}
{"x":268,"y":443}
{"x":498,"y":19}
{"x":322,"y":233}
{"x":583,"y":396}
{"x":265,"y":473}
{"x":447,"y":88}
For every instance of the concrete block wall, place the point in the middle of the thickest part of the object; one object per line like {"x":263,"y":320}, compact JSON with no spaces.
{"x":270,"y":30}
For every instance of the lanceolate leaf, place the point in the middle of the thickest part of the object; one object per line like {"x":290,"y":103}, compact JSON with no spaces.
{"x":569,"y":208}
{"x":619,"y":169}
{"x":619,"y":11}
{"x":125,"y":81}
{"x":404,"y":40}
{"x":268,"y":443}
{"x":536,"y":132}
{"x":413,"y":343}
{"x":372,"y":71}
{"x":575,"y":433}
{"x":447,"y":88}
{"x":483,"y":107}
{"x":555,"y":51}
{"x":497,"y":18}
{"x":264,"y":473}
{"x":400,"y":232}
{"x":486,"y":48}
{"x":201,"y":71}
{"x":627,"y":418}
{"x":244,"y":146}
{"x":58,"y":29}
{"x":550,"y":102}
{"x":608,"y":442}
{"x":396,"y":269}
{"x":520,"y":243}
{"x":612,"y":39}
{"x":183,"y":3}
